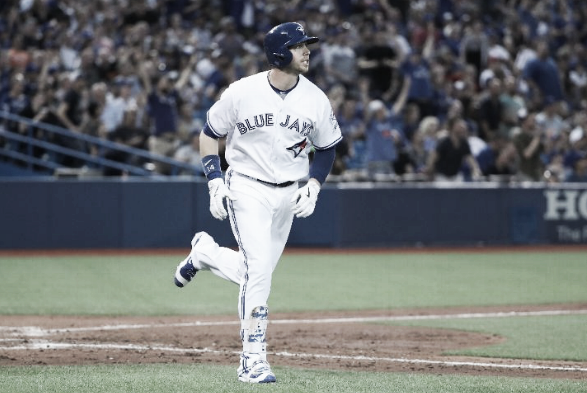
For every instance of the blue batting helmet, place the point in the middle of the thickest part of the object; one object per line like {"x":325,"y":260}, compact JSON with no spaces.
{"x":282,"y":37}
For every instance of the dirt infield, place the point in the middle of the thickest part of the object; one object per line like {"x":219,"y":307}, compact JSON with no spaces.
{"x":337,"y":341}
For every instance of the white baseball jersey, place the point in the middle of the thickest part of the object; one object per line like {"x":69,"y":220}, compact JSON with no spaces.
{"x":269,"y":137}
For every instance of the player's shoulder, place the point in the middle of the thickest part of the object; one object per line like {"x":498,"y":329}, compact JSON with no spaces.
{"x":241,"y":87}
{"x":249,"y":80}
{"x":312,"y":88}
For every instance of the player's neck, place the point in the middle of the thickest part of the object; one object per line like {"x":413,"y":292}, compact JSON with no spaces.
{"x":282,"y":80}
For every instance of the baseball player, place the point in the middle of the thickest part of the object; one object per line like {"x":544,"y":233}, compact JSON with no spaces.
{"x":270,"y":121}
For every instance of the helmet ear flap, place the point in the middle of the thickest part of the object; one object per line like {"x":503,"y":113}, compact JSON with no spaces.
{"x":282,"y":58}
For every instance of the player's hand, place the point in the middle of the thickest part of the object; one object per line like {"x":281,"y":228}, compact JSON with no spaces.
{"x":304,"y":199}
{"x":219,"y":191}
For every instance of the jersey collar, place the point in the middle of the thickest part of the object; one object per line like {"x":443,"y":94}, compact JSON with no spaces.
{"x":282,"y":93}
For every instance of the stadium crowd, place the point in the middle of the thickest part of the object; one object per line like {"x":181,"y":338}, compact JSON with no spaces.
{"x":423,"y":89}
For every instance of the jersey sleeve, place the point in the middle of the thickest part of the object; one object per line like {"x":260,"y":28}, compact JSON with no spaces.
{"x":221,"y":117}
{"x":327,"y":132}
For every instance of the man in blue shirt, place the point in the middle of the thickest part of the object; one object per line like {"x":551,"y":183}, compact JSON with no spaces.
{"x":163,"y":102}
{"x":384,"y":134}
{"x":542,"y":73}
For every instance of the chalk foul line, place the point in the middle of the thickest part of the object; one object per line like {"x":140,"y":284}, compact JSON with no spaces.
{"x":45,"y":345}
{"x":31,"y":343}
{"x":34,"y":331}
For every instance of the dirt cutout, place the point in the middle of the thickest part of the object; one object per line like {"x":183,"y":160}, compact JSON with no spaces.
{"x":335,"y":341}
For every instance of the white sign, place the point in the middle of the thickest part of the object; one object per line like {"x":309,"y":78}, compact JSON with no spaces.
{"x":566,"y":205}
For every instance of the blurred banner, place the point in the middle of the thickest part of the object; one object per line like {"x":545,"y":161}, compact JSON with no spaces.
{"x":74,"y":214}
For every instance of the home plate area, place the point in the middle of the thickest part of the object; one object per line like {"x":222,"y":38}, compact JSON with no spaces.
{"x":357,"y":341}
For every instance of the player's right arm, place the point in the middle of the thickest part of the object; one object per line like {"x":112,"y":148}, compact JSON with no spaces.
{"x":211,"y":163}
{"x":208,"y":145}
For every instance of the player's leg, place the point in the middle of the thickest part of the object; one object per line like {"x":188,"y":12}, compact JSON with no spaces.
{"x":250,"y":219}
{"x":253,"y":366}
{"x":206,"y":254}
{"x":281,"y":224}
{"x":261,"y":232}
{"x":261,"y":229}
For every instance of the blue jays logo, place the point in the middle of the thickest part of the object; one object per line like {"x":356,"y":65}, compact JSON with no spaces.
{"x":333,"y":121}
{"x":298,"y":148}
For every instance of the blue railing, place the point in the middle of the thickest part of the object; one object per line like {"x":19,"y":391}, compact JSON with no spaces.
{"x":27,"y":158}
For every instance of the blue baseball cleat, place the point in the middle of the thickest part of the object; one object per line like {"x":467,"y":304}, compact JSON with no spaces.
{"x":258,"y":372}
{"x":185,"y":272}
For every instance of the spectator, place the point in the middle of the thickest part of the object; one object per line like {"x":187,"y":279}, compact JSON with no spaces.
{"x":445,"y":72}
{"x":378,"y":62}
{"x":456,"y":110}
{"x":88,"y":67}
{"x":128,"y":134}
{"x":464,"y":94}
{"x":18,"y":56}
{"x":43,"y":109}
{"x":555,"y":167}
{"x":490,"y":115}
{"x":228,"y":39}
{"x":411,"y":120}
{"x":71,"y":110}
{"x":187,"y":123}
{"x":575,"y":151}
{"x":543,"y":76}
{"x":550,"y":119}
{"x":474,"y":46}
{"x":512,"y":103}
{"x":498,"y":157}
{"x":497,"y":68}
{"x":578,"y":80}
{"x":117,"y":99}
{"x":71,"y":114}
{"x":92,"y":124}
{"x":189,"y":153}
{"x":351,"y":153}
{"x":528,"y":141}
{"x":336,"y":95}
{"x":97,"y":102}
{"x":473,"y":43}
{"x":38,"y":109}
{"x":16,"y":100}
{"x":417,"y":67}
{"x":447,"y":162}
{"x":340,"y":59}
{"x":384,"y":135}
{"x":579,"y":174}
{"x":140,"y":11}
{"x":163,"y":104}
{"x":451,"y":38}
{"x":422,"y":145}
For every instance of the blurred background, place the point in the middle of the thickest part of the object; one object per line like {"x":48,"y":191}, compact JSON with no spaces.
{"x":463,"y":120}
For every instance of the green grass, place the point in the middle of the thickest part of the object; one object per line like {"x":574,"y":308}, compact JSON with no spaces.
{"x":107,"y":285}
{"x":142,"y":285}
{"x":217,"y":379}
{"x":549,"y":338}
{"x":388,"y":281}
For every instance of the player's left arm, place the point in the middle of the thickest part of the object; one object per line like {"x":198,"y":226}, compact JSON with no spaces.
{"x":322,"y":164}
{"x":305,"y":198}
{"x":328,"y":135}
